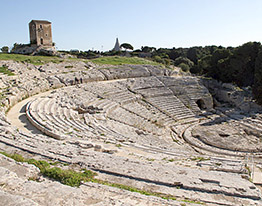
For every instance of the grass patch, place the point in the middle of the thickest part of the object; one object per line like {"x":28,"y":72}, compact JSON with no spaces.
{"x":36,"y":60}
{"x":143,"y":192}
{"x":117,"y":60}
{"x":4,"y":70}
{"x":67,"y":177}
{"x":125,"y":187}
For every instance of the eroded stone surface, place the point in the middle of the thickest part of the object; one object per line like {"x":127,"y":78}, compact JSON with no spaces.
{"x":227,"y":137}
{"x":133,"y":129}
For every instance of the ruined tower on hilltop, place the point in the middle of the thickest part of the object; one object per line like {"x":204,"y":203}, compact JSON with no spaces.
{"x":117,"y":46}
{"x":40,"y":33}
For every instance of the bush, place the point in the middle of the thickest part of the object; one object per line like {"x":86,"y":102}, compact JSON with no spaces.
{"x":184,"y":60}
{"x":184,"y":67}
{"x":158,"y":59}
{"x":5,"y":49}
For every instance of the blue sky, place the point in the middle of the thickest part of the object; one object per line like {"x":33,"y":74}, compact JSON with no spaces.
{"x":94,"y":24}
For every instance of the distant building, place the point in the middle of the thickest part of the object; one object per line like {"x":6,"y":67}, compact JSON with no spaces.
{"x":40,"y":40}
{"x":40,"y":33}
{"x":117,"y":46}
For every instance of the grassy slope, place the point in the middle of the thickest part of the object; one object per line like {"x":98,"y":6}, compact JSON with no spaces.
{"x":111,"y":60}
{"x":117,"y":60}
{"x":4,"y":70}
{"x":36,"y":60}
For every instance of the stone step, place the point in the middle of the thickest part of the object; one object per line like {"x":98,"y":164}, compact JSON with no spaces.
{"x":35,"y":115}
{"x":50,"y":110}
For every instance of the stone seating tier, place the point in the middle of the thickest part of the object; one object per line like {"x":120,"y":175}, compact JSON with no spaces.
{"x":122,"y":96}
{"x":148,"y":113}
{"x":143,"y":83}
{"x":163,"y":118}
{"x":115,"y":101}
{"x":156,"y":91}
{"x":133,"y":120}
{"x":171,"y":105}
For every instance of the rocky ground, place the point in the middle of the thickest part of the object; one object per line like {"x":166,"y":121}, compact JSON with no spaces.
{"x":145,"y":127}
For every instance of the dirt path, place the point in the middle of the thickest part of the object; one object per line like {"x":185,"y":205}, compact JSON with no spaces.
{"x":18,"y":118}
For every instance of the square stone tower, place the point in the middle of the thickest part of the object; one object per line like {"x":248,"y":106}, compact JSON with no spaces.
{"x":40,"y":33}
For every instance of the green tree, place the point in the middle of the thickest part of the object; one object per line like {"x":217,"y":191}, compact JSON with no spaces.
{"x":242,"y":63}
{"x":158,"y":59}
{"x":184,"y":60}
{"x":5,"y":49}
{"x":193,"y":54}
{"x":257,"y":88}
{"x":204,"y":64}
{"x":126,"y":46}
{"x":148,"y":49}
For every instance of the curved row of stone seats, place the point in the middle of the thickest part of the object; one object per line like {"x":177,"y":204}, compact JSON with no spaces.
{"x":148,"y":112}
{"x":126,"y":71}
{"x":122,"y":96}
{"x":101,"y":104}
{"x":88,"y":127}
{"x":252,"y":124}
{"x":36,"y":111}
{"x":124,"y":116}
{"x":155,"y":70}
{"x":101,"y":88}
{"x":51,"y":116}
{"x":190,"y":98}
{"x":188,"y":102}
{"x":37,"y":144}
{"x":39,"y":111}
{"x":73,"y":117}
{"x":172,"y":106}
{"x":143,"y":83}
{"x":178,"y":81}
{"x":39,"y":124}
{"x":113,"y":91}
{"x":190,"y":87}
{"x":102,"y":131}
{"x":118,"y":131}
{"x":154,"y":91}
{"x":73,"y":78}
{"x":71,"y":125}
{"x":175,"y":86}
{"x":55,"y":121}
{"x":163,"y":119}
